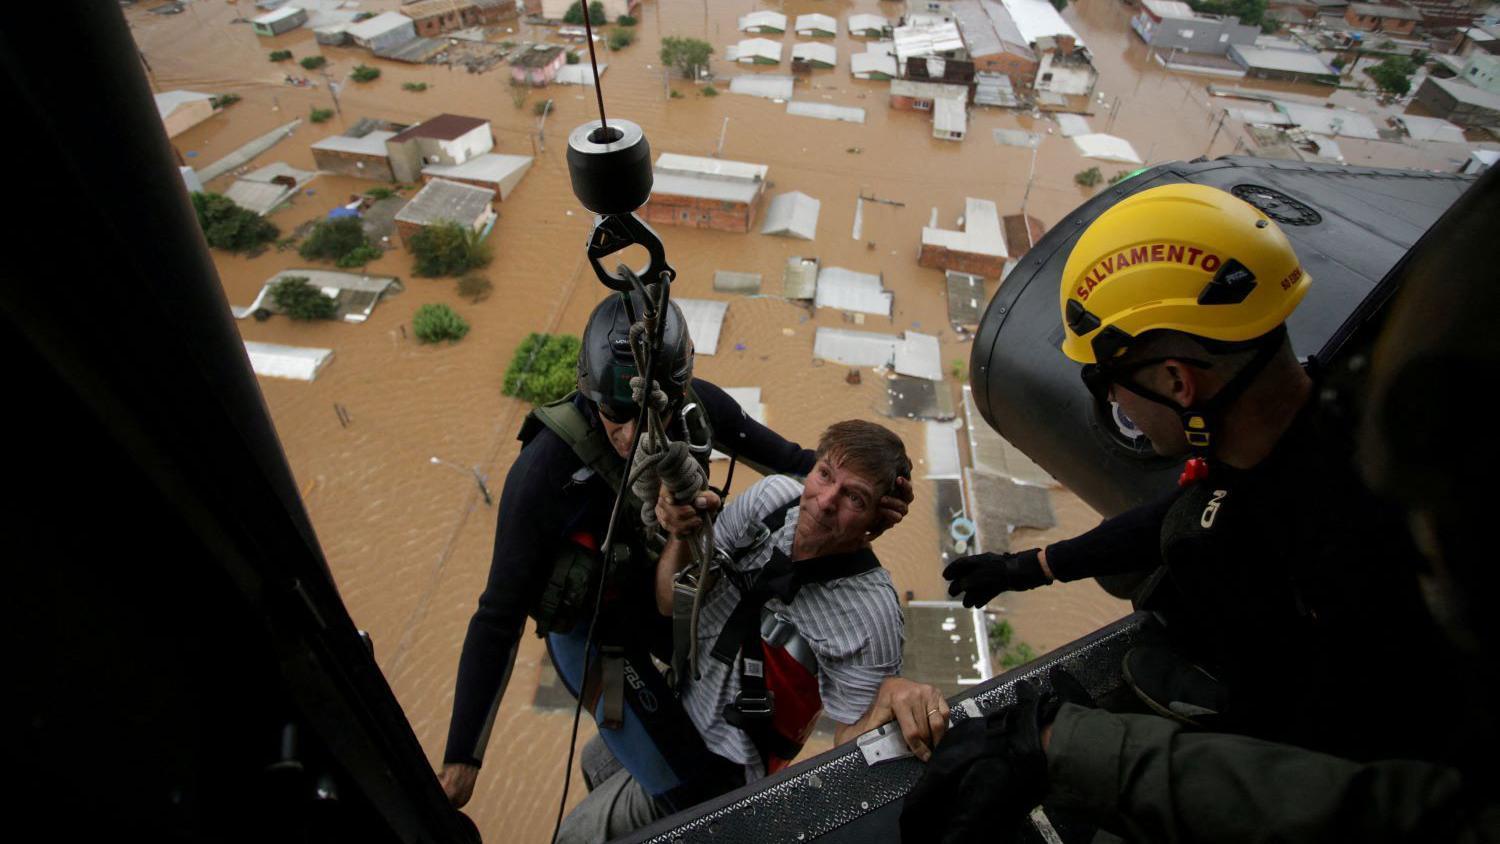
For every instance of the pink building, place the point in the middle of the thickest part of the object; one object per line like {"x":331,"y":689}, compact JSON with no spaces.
{"x":539,"y":65}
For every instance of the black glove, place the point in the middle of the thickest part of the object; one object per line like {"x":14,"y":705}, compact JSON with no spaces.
{"x":986,"y":775}
{"x":983,"y":576}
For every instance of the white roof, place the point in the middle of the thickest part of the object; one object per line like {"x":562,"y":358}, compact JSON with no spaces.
{"x":1017,"y":138}
{"x":280,"y":14}
{"x":1327,"y":148}
{"x":763,"y":18}
{"x":864,"y":64}
{"x":1291,"y":61}
{"x":378,"y":25}
{"x":1466,"y":93}
{"x":793,"y":214}
{"x":1169,"y":8}
{"x":810,"y":51}
{"x":1475,"y":33}
{"x":826,"y":111}
{"x":722,"y":168}
{"x":503,"y":171}
{"x":762,"y":85}
{"x":993,"y":454}
{"x":914,"y":354}
{"x":1037,"y":19}
{"x":927,"y":40}
{"x":752,"y":48}
{"x":1072,"y":124}
{"x":578,"y":74}
{"x":982,"y":234}
{"x":272,"y":360}
{"x":371,"y":144}
{"x":950,"y":115}
{"x":943,"y":462}
{"x":168,"y":101}
{"x":442,"y":201}
{"x":1487,"y":157}
{"x":1431,"y":129}
{"x":748,"y":398}
{"x":1338,"y":122}
{"x":848,"y":290}
{"x":824,"y":23}
{"x":860,"y":23}
{"x":705,"y":318}
{"x":1106,"y":148}
{"x":260,"y":197}
{"x":928,"y":90}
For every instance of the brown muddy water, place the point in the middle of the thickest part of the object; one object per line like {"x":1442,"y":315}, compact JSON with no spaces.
{"x":408,"y":541}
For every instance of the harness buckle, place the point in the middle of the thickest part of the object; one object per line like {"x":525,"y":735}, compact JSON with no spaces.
{"x":755,"y":706}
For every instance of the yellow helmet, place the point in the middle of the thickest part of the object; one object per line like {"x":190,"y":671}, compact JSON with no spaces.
{"x":1186,"y":258}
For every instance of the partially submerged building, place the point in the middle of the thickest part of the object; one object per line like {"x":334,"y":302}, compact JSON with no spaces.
{"x":284,"y":19}
{"x":537,"y":66}
{"x":363,"y":156}
{"x":1459,"y":102}
{"x":385,"y":30}
{"x":1393,"y":19}
{"x":182,"y":110}
{"x":556,"y":9}
{"x":979,"y":249}
{"x":793,"y":214}
{"x":877,"y":62}
{"x":444,"y":139}
{"x":809,"y":55}
{"x":442,"y":201}
{"x":1065,"y":75}
{"x":817,"y":26}
{"x":763,"y":21}
{"x":869,"y":26}
{"x":1172,"y":25}
{"x":907,"y":95}
{"x":435,"y":17}
{"x":994,"y":42}
{"x":950,"y":119}
{"x":354,"y":295}
{"x":493,"y":171}
{"x":754,"y":51}
{"x":705,"y":193}
{"x":267,"y":188}
{"x":1270,"y":59}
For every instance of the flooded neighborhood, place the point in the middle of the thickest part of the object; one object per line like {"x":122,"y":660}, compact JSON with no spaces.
{"x":841,"y":188}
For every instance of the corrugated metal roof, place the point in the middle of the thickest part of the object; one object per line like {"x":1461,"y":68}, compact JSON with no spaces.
{"x":503,"y":171}
{"x":168,"y":101}
{"x":799,"y":279}
{"x":941,"y":440}
{"x":862,"y":23}
{"x":444,"y":127}
{"x":950,"y":116}
{"x":855,"y":348}
{"x":872,"y":62}
{"x":793,"y":214}
{"x":1169,"y":8}
{"x":808,"y":51}
{"x":280,"y":14}
{"x":273,"y":360}
{"x":982,"y":234}
{"x":816,"y":23}
{"x":754,"y":48}
{"x":920,"y":356}
{"x":1431,"y":129}
{"x":578,"y":74}
{"x":443,"y":200}
{"x":848,"y":290}
{"x":726,"y":281}
{"x":1037,"y":19}
{"x":1072,"y":124}
{"x":1331,"y":121}
{"x":1375,"y":10}
{"x":705,"y":319}
{"x":1466,"y":93}
{"x":763,"y":19}
{"x":927,"y":40}
{"x":1106,"y":148}
{"x":826,"y":111}
{"x":379,"y":25}
{"x":927,"y":90}
{"x":699,"y":187}
{"x":1017,"y":138}
{"x":722,"y":168}
{"x":1290,"y":61}
{"x":770,"y":87}
{"x":371,"y":144}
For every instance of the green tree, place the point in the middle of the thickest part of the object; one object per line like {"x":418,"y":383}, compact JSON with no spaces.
{"x":1393,"y":75}
{"x":300,"y":300}
{"x":228,"y":226}
{"x":320,"y":115}
{"x":358,"y":257}
{"x":620,"y":39}
{"x":543,"y":369}
{"x":596,"y":13}
{"x":280,"y":55}
{"x":313,"y":62}
{"x":476,"y":288}
{"x":1088,"y":178}
{"x":448,"y":248}
{"x":331,"y":240}
{"x":224,"y":100}
{"x":364,"y":73}
{"x":1059,"y":4}
{"x":685,"y":54}
{"x":436,"y":323}
{"x":710,"y":91}
{"x":572,"y":58}
{"x":1250,"y":12}
{"x":625,"y":20}
{"x":414,"y":86}
{"x":380,"y":192}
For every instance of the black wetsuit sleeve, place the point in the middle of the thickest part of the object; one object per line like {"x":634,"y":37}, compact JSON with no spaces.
{"x":1128,"y":542}
{"x":752,"y":443}
{"x":532,"y":516}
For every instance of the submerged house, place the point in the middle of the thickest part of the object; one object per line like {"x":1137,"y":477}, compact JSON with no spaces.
{"x":705,"y":193}
{"x":539,"y":65}
{"x":442,"y":201}
{"x":978,"y":250}
{"x":445,"y":139}
{"x":763,"y":21}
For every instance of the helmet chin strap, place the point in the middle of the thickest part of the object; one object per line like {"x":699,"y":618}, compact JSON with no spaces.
{"x":1200,"y":421}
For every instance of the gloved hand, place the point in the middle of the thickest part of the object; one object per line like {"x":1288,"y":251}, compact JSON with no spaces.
{"x":979,"y":578}
{"x":988,"y":774}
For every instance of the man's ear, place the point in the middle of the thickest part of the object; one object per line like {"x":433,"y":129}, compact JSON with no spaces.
{"x":1183,"y":382}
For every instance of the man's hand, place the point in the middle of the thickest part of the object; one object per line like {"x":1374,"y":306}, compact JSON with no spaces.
{"x":457,"y":781}
{"x":979,"y":578}
{"x":919,"y":709}
{"x":682,"y":519}
{"x":893,"y":507}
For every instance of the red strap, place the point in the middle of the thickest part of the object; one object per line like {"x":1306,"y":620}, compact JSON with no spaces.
{"x":1193,"y":471}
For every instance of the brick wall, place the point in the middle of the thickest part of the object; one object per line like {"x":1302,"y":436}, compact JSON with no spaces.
{"x":668,"y":210}
{"x":942,"y":258}
{"x":346,"y":164}
{"x":427,"y":177}
{"x":1022,"y":72}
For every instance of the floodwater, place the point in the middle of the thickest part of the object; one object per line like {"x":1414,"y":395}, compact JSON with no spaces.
{"x":409,"y":541}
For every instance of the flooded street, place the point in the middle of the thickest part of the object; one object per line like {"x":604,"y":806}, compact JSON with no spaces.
{"x":408,"y":541}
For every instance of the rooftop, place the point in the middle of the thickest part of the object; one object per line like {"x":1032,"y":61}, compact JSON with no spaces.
{"x":947,"y":646}
{"x":1289,"y":61}
{"x":820,"y":23}
{"x":378,"y":25}
{"x":708,"y":178}
{"x":490,"y":167}
{"x":1466,"y":93}
{"x":949,"y":115}
{"x":927,"y":90}
{"x":540,"y":55}
{"x":763,"y":19}
{"x":1375,"y":10}
{"x":1037,"y":19}
{"x":371,"y":144}
{"x":280,"y":14}
{"x":169,"y":101}
{"x":927,"y":40}
{"x":981,"y":235}
{"x":873,"y":61}
{"x":442,"y":200}
{"x":428,"y":8}
{"x":444,"y":127}
{"x":754,"y":47}
{"x":862,"y":22}
{"x":810,"y":51}
{"x":1169,"y":8}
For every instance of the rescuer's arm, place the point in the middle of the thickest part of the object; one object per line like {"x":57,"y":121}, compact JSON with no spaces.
{"x":917,"y":707}
{"x":1148,"y":779}
{"x":527,"y":514}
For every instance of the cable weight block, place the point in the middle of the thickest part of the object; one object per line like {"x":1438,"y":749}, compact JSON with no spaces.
{"x":610,"y":166}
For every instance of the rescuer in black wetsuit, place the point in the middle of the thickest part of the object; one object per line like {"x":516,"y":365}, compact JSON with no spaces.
{"x":1154,"y":779}
{"x":553,"y":515}
{"x":1288,"y":591}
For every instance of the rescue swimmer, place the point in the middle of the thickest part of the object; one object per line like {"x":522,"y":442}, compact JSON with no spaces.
{"x":554,"y":509}
{"x":1279,"y":570}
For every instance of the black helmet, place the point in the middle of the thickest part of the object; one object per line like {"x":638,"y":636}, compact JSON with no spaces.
{"x":606,"y":365}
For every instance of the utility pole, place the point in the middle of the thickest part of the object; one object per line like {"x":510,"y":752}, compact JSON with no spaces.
{"x":1222,"y":115}
{"x":1030,"y":176}
{"x":541,"y":125}
{"x":722,"y":132}
{"x":333,"y":91}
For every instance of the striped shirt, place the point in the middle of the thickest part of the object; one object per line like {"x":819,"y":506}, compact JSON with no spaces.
{"x":853,"y":625}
